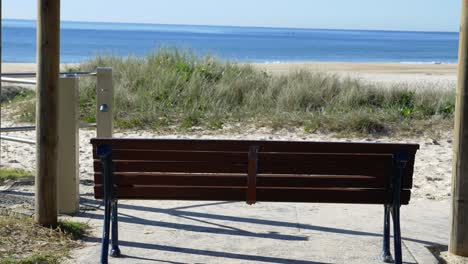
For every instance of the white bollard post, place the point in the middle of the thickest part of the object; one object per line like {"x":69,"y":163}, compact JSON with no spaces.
{"x":68,"y":147}
{"x":105,"y":103}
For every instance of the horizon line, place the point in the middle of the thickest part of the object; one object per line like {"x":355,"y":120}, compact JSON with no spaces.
{"x":237,"y":26}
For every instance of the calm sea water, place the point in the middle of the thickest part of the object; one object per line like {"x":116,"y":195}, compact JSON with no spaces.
{"x":82,"y":40}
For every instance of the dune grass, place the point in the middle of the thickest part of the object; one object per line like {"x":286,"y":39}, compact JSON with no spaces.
{"x":14,"y":174}
{"x":177,"y":90}
{"x":24,"y":242}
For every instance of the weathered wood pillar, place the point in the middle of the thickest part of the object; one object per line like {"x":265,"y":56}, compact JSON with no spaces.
{"x":459,"y":228}
{"x":48,"y":63}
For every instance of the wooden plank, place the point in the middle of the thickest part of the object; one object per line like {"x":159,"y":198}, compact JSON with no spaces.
{"x":369,"y":165}
{"x":240,"y":180}
{"x":319,"y":181}
{"x":176,"y":179}
{"x":265,"y":146}
{"x":315,"y":195}
{"x":167,"y":166}
{"x":148,"y":155}
{"x":178,"y":193}
{"x":324,"y":168}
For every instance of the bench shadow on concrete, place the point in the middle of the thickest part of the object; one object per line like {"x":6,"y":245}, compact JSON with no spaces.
{"x":178,"y":212}
{"x":201,"y":252}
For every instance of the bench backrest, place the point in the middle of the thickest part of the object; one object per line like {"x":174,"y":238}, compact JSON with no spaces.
{"x":233,"y":170}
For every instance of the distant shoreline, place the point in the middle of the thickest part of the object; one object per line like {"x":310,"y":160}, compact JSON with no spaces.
{"x":446,"y":68}
{"x":437,"y":75}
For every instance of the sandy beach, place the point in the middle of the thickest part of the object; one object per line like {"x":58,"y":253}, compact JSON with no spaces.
{"x":440,"y":75}
{"x":26,"y":67}
{"x":387,"y":74}
{"x":433,"y":161}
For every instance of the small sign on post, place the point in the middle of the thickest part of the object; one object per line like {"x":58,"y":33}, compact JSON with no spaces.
{"x":68,"y":147}
{"x":105,"y":103}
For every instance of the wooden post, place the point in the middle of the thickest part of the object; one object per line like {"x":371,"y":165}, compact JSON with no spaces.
{"x":459,"y":229}
{"x":68,"y":147}
{"x":105,"y":103}
{"x":48,"y":63}
{"x":1,"y":62}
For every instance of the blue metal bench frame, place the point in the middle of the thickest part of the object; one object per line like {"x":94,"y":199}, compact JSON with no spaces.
{"x":104,"y":152}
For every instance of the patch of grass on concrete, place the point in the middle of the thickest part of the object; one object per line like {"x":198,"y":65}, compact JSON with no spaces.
{"x":169,"y":89}
{"x":14,"y":174}
{"x":75,"y":230}
{"x":25,"y":242}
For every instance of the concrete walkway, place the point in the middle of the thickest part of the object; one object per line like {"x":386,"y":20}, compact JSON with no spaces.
{"x":224,"y":232}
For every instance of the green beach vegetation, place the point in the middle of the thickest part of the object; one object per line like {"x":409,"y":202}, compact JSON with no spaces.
{"x":25,"y":242}
{"x":170,"y":89}
{"x":14,"y":174}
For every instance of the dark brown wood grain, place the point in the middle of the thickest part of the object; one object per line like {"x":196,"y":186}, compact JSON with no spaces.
{"x":279,"y":171}
{"x":244,"y":145}
{"x":310,"y":195}
{"x":240,"y":180}
{"x":177,"y":155}
{"x":177,"y":166}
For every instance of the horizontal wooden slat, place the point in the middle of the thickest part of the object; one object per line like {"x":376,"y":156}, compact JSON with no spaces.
{"x":244,"y":145}
{"x":339,"y":164}
{"x":165,"y":155}
{"x":177,"y":179}
{"x":167,"y":166}
{"x":240,"y":180}
{"x":281,"y":163}
{"x":319,"y":181}
{"x":362,"y":196}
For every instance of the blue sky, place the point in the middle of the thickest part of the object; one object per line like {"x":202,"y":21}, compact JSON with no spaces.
{"x":421,"y":15}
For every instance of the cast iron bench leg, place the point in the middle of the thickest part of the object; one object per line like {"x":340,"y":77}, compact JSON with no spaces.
{"x":115,"y":251}
{"x":105,"y":232}
{"x":386,"y":256}
{"x":104,"y":153}
{"x":401,"y":160}
{"x":397,"y":234}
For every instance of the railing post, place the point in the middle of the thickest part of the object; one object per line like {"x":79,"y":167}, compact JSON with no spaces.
{"x":68,"y":147}
{"x":105,"y":103}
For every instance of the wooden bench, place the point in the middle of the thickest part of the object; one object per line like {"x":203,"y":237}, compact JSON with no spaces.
{"x":266,"y":171}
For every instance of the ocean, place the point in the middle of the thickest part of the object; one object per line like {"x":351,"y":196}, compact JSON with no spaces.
{"x":83,"y":40}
